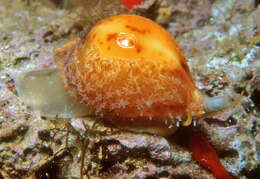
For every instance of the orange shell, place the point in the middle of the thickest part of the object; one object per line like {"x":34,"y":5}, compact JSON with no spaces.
{"x":132,"y":73}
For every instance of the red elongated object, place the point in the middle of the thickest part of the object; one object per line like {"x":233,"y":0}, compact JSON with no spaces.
{"x":129,"y":4}
{"x":206,"y":156}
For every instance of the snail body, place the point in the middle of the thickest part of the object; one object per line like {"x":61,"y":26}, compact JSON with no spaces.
{"x":131,"y":73}
{"x":128,"y":71}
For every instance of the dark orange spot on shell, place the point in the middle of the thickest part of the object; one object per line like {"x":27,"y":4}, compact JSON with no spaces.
{"x":100,"y":42}
{"x":138,"y":48}
{"x":111,"y":36}
{"x":131,"y":43}
{"x":134,"y":29}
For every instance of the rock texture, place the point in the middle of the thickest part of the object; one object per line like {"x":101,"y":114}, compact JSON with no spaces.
{"x":220,"y":38}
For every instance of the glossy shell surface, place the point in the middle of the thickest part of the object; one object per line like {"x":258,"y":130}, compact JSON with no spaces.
{"x":132,"y":73}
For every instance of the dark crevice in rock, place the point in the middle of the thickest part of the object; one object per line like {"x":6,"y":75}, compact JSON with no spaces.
{"x":227,"y":153}
{"x":58,"y":3}
{"x":110,"y":161}
{"x":163,"y":174}
{"x":29,"y":150}
{"x":182,"y":177}
{"x":20,"y":60}
{"x":50,"y":171}
{"x":123,"y":151}
{"x":256,"y":98}
{"x":12,"y":134}
{"x":181,"y":136}
{"x":108,"y":165}
{"x":229,"y":122}
{"x":131,"y":167}
{"x":252,"y":174}
{"x":255,"y":128}
{"x":44,"y":135}
{"x":49,"y":36}
{"x":52,"y":168}
{"x":151,"y":177}
{"x":152,"y":12}
{"x":257,"y":2}
{"x":46,"y":150}
{"x":38,"y":148}
{"x":114,"y":154}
